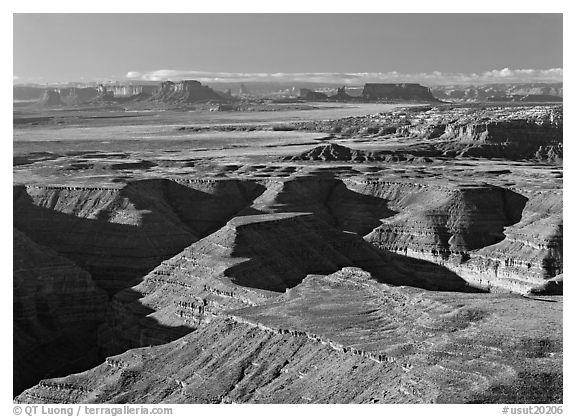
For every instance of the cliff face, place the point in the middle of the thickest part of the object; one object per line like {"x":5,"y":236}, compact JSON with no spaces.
{"x":75,"y":95}
{"x":501,"y":92}
{"x":410,"y":92}
{"x":187,"y":91}
{"x":57,"y":308}
{"x":307,"y":94}
{"x":50,"y":98}
{"x":455,"y":220}
{"x":491,"y":237}
{"x":122,"y":233}
{"x":512,"y":139}
{"x":232,"y":267}
{"x":415,"y":347}
{"x":514,"y":133}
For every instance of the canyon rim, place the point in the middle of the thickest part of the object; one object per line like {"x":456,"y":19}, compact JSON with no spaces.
{"x":349,"y":228}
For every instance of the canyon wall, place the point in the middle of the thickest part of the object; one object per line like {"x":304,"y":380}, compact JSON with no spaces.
{"x":57,"y":308}
{"x":389,"y":345}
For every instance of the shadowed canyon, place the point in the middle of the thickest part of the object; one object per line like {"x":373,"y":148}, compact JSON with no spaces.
{"x":318,"y":252}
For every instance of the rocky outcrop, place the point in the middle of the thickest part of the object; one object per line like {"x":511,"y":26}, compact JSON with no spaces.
{"x":530,"y":258}
{"x":242,"y":264}
{"x":389,"y":345}
{"x":510,"y":139}
{"x":342,"y":95}
{"x":26,"y":93}
{"x":486,"y":234}
{"x":500,"y":92}
{"x":455,"y":221}
{"x":185,"y":92}
{"x":332,"y":152}
{"x":310,"y":95}
{"x":328,"y":198}
{"x":121,"y":233}
{"x":57,"y":308}
{"x":50,"y":98}
{"x":74,"y":96}
{"x":410,"y":92}
{"x":514,"y":133}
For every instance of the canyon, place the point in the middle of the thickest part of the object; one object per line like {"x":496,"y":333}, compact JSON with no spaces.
{"x":412,"y":254}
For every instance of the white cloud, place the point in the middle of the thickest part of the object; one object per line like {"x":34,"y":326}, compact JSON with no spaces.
{"x":433,"y":78}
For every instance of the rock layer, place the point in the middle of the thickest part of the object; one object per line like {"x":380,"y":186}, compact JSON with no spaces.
{"x":245,"y":263}
{"x":186,"y":91}
{"x":57,"y":308}
{"x":485,"y":234}
{"x":417,"y":347}
{"x":406,"y":91}
{"x":121,"y":233}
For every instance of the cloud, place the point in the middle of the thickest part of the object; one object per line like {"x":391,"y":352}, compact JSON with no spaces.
{"x":356,"y":78}
{"x":15,"y":78}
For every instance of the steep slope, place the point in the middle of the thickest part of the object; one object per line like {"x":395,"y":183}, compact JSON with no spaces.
{"x":185,"y":92}
{"x":57,"y":308}
{"x":530,"y":258}
{"x":334,"y":152}
{"x":492,"y":237}
{"x":245,"y":263}
{"x":405,"y":91}
{"x":451,"y":220}
{"x":121,"y":233}
{"x":50,"y":98}
{"x":511,"y":139}
{"x":327,"y":197}
{"x":343,"y":338}
{"x":330,"y":152}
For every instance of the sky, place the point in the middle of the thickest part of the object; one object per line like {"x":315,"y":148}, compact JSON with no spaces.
{"x":342,"y":48}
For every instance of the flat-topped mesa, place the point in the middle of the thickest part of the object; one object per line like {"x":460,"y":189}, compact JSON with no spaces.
{"x":404,"y":91}
{"x":186,"y":91}
{"x":308,"y":94}
{"x":76,"y":95}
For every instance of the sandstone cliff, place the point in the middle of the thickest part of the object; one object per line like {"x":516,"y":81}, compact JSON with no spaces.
{"x":410,"y":92}
{"x":492,"y":237}
{"x":390,"y":345}
{"x":57,"y":308}
{"x":50,"y":98}
{"x":184,"y":92}
{"x":121,"y":233}
{"x":244,"y":263}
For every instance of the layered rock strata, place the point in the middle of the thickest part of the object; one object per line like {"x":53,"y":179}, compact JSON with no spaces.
{"x":57,"y":308}
{"x":390,"y":345}
{"x":245,"y":263}
{"x":186,"y":91}
{"x":411,"y":92}
{"x":121,"y":233}
{"x":492,"y":237}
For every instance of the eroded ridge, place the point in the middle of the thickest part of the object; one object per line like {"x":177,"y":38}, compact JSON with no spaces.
{"x":57,"y":309}
{"x":416,"y":346}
